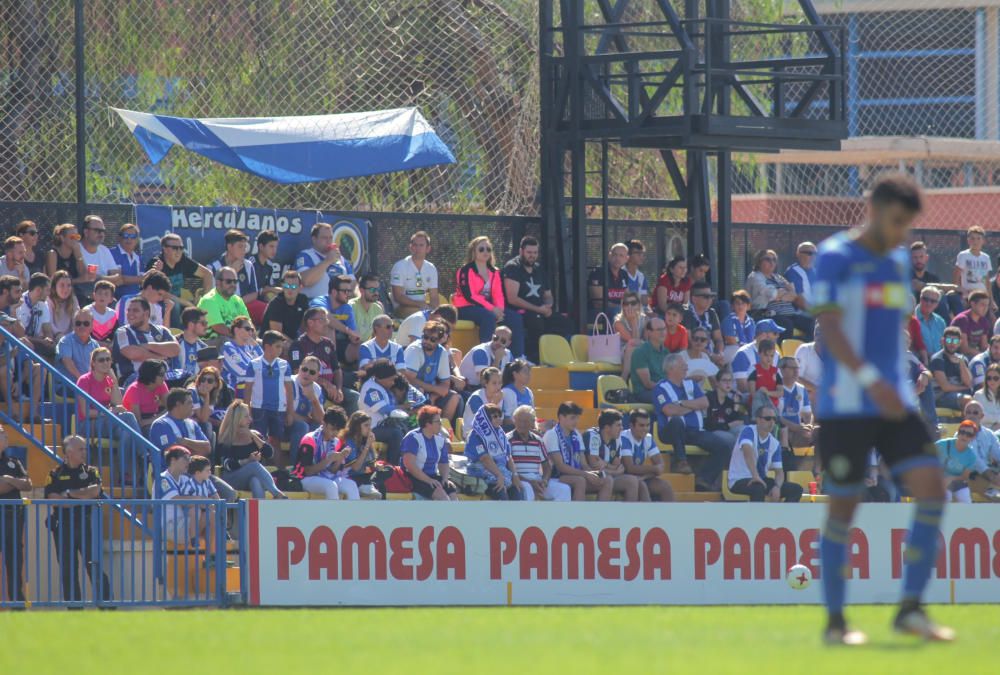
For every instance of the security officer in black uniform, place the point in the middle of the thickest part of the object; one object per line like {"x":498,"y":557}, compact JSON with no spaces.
{"x":13,"y":479}
{"x":72,"y":526}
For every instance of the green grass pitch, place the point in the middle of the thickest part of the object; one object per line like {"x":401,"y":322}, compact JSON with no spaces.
{"x":556,"y":640}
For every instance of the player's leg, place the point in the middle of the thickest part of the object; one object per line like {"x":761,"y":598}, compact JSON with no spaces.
{"x":627,"y":486}
{"x":756,"y":491}
{"x":911,"y":454}
{"x":659,"y":489}
{"x":843,"y":446}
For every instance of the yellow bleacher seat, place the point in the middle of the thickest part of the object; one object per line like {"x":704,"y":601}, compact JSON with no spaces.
{"x":459,"y":428}
{"x":728,"y":495}
{"x":465,"y":336}
{"x":551,"y":398}
{"x":669,"y":449}
{"x":680,"y":482}
{"x":606,"y":383}
{"x":948,"y":414}
{"x":553,"y":350}
{"x":803,"y":452}
{"x":543,"y":377}
{"x":789,"y":346}
{"x":581,"y":348}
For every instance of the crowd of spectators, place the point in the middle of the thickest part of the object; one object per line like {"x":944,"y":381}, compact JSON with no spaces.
{"x":249,"y":364}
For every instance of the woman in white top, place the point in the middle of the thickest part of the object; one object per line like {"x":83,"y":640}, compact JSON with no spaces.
{"x":491,"y":392}
{"x":989,"y":397}
{"x":700,"y":366}
{"x":629,"y":324}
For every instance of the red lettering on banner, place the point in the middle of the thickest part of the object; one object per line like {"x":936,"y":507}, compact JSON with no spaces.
{"x":570,"y":540}
{"x":291,"y":547}
{"x":534,"y":554}
{"x":809,"y":550}
{"x":426,"y":555}
{"x":774,"y":548}
{"x":364,"y":541}
{"x":401,"y":553}
{"x":656,"y":554}
{"x":503,"y":550}
{"x":968,"y":544}
{"x":858,"y":554}
{"x":322,"y":553}
{"x":451,"y":553}
{"x":996,"y":556}
{"x":707,"y":548}
{"x":736,"y":554}
{"x":608,"y":553}
{"x":634,"y":563}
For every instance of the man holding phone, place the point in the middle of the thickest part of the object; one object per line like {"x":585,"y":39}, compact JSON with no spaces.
{"x":319,"y":264}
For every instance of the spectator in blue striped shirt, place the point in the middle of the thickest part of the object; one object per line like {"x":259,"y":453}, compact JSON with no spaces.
{"x":269,"y":390}
{"x":425,"y":457}
{"x":185,"y":364}
{"x":381,"y":346}
{"x":306,"y":410}
{"x":238,"y":352}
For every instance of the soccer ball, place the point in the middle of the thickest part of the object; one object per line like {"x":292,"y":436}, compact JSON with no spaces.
{"x":799,"y":577}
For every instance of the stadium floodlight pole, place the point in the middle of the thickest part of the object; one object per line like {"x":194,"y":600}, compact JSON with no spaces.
{"x":80,"y":100}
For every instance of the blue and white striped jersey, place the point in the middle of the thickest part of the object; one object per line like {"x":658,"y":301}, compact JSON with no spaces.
{"x":236,"y":360}
{"x":872,"y":294}
{"x":767,"y":449}
{"x":370,"y":351}
{"x":429,"y":451}
{"x":637,"y":450}
{"x":269,"y":380}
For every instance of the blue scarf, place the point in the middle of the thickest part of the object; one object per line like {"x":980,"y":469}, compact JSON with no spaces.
{"x":484,"y":429}
{"x":569,"y":449}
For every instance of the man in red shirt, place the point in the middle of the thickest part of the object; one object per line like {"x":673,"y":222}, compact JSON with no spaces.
{"x":974,"y":324}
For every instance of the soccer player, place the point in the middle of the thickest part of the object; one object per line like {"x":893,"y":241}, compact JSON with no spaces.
{"x":862,"y":296}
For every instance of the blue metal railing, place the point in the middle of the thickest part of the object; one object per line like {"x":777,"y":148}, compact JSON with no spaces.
{"x":34,"y":390}
{"x":87,"y":553}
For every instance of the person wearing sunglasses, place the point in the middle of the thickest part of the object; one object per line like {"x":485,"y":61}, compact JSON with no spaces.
{"x":74,"y":350}
{"x":528,"y":292}
{"x":701,"y":368}
{"x":952,"y":378}
{"x":247,"y":286}
{"x":960,"y":461}
{"x":306,"y":409}
{"x":701,"y":314}
{"x":931,"y":324}
{"x":238,"y":352}
{"x":27,"y":230}
{"x":773,"y":296}
{"x":381,"y":346}
{"x":342,"y":327}
{"x":98,"y":380}
{"x":223,"y":305}
{"x":494,"y":353}
{"x":802,"y":273}
{"x":206,"y":388}
{"x":126,"y":256}
{"x":367,"y":306}
{"x":756,"y":453}
{"x":98,"y":263}
{"x":985,"y":443}
{"x":988,"y":395}
{"x":479,"y":290}
{"x":428,"y":368}
{"x":414,"y":279}
{"x":285,"y":311}
{"x":186,"y":276}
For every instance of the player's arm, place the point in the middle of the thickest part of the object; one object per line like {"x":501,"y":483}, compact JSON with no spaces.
{"x":750,"y":458}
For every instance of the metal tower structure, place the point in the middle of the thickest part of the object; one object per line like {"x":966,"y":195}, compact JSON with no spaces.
{"x":689,"y":84}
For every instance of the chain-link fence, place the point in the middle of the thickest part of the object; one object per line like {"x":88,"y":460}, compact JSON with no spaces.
{"x":470,"y":68}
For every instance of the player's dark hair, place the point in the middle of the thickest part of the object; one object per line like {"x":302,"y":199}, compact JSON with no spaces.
{"x":156,"y":280}
{"x":176,"y":397}
{"x":38,"y":280}
{"x":898,"y":188}
{"x":198,"y":463}
{"x":766,"y":346}
{"x":608,"y":417}
{"x":266,"y":237}
{"x":529,"y":240}
{"x":149,"y":371}
{"x":273,"y":337}
{"x":192,"y":315}
{"x":638,"y":414}
{"x":446,"y":312}
{"x":336,"y":417}
{"x":568,"y":408}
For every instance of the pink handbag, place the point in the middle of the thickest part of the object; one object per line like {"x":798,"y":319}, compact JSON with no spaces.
{"x":604,"y":347}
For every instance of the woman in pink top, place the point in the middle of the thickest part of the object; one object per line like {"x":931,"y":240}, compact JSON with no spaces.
{"x":672,"y":286}
{"x":479,"y":295}
{"x":147,"y":396}
{"x":95,"y":424}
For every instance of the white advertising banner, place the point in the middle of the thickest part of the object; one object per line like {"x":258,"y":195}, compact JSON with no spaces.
{"x":480,"y":553}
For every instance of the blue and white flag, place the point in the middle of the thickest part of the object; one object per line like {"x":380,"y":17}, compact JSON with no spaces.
{"x":298,"y":149}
